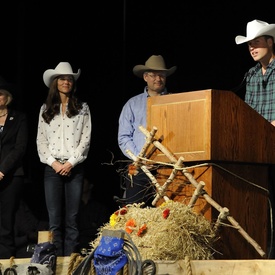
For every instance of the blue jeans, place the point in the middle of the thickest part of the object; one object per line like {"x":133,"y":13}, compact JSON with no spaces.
{"x":63,"y":197}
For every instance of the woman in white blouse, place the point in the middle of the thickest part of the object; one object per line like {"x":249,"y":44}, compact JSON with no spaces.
{"x":63,"y":142}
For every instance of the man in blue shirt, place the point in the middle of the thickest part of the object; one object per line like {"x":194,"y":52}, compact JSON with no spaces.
{"x":133,"y":114}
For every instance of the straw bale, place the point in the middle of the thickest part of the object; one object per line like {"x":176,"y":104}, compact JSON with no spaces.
{"x":170,"y":231}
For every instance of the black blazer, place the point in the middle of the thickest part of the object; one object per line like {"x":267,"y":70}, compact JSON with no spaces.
{"x":13,"y":143}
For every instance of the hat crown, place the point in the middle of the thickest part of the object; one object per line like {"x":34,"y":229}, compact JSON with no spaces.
{"x":4,"y":85}
{"x":64,"y":68}
{"x":153,"y":63}
{"x":254,"y":27}
{"x":156,"y":62}
{"x":3,"y":82}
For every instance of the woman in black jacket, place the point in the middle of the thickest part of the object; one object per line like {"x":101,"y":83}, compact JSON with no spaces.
{"x":13,"y":146}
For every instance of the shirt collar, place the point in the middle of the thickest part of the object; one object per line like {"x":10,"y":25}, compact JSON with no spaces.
{"x":164,"y":92}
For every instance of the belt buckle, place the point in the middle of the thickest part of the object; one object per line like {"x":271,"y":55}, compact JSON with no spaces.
{"x":62,"y":161}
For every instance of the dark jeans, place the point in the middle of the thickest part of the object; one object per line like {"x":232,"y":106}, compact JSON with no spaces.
{"x":10,"y":192}
{"x":139,"y":189}
{"x":63,"y":197}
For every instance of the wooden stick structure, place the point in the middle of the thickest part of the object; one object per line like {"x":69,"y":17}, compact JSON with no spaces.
{"x":172,"y":176}
{"x":222,"y":217}
{"x":150,"y":176}
{"x":198,"y":191}
{"x":178,"y":165}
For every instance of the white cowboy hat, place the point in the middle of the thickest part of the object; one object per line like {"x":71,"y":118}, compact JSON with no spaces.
{"x":154,"y":63}
{"x":63,"y":68}
{"x":255,"y":29}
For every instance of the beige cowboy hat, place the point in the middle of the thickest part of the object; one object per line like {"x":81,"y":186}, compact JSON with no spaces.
{"x":153,"y":63}
{"x":255,"y":29}
{"x":63,"y":68}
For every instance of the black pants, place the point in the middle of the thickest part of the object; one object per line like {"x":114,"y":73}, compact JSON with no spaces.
{"x":139,"y":189}
{"x":10,"y":190}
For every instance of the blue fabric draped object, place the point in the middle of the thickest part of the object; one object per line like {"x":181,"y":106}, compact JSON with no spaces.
{"x":45,"y":253}
{"x":109,"y":256}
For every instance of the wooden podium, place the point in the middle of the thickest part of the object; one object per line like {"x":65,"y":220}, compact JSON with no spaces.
{"x":231,"y":147}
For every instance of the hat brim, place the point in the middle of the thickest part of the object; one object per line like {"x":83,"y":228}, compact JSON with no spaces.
{"x":8,"y":87}
{"x":4,"y":85}
{"x":50,"y":74}
{"x":268,"y":30}
{"x":139,"y":70}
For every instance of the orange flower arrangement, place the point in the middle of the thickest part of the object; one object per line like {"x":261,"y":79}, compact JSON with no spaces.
{"x":142,"y":230}
{"x":129,"y":226}
{"x":132,"y":170}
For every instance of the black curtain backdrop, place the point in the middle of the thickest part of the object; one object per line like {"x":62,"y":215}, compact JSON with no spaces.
{"x":106,"y":42}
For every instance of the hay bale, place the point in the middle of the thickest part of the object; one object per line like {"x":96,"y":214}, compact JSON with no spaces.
{"x":170,"y":231}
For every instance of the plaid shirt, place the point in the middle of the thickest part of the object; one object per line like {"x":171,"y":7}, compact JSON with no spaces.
{"x":260,"y":90}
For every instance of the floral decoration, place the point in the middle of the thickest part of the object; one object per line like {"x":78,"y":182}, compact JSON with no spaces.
{"x":132,"y":170}
{"x":166,"y":213}
{"x":142,"y":230}
{"x":113,"y":219}
{"x":121,"y":211}
{"x":130,"y":225}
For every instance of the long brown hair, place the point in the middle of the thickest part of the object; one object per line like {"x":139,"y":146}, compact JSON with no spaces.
{"x":53,"y":102}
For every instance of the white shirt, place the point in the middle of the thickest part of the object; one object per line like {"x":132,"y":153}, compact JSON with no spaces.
{"x":64,"y":138}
